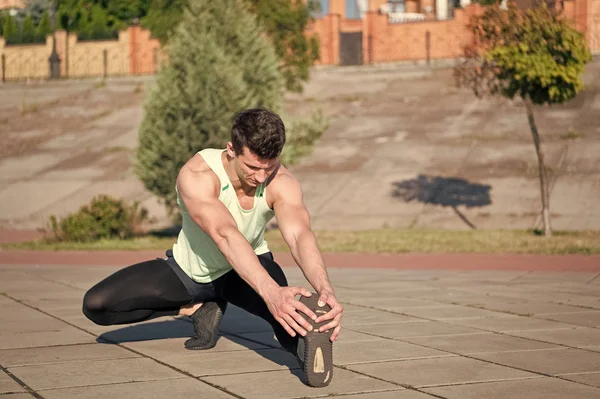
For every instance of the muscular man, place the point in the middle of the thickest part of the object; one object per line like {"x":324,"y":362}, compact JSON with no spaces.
{"x":226,"y":198}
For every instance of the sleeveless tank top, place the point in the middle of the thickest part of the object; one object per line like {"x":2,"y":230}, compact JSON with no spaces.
{"x":195,"y":252}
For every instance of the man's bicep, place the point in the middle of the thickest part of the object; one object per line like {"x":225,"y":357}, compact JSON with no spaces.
{"x":202,"y":204}
{"x":291,"y":213}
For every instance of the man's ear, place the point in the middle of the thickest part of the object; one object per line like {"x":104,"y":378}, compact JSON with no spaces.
{"x":230,"y":150}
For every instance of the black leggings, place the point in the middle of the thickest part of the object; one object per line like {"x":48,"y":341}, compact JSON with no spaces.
{"x":156,"y":288}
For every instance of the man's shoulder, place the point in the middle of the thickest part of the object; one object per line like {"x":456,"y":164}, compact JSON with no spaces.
{"x":196,"y":173}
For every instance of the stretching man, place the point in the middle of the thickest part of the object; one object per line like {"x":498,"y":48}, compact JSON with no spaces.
{"x":226,"y":198}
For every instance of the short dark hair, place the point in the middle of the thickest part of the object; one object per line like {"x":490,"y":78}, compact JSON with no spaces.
{"x":260,"y":130}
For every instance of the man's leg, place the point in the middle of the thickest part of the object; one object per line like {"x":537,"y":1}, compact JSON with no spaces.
{"x":136,"y":293}
{"x":234,"y":289}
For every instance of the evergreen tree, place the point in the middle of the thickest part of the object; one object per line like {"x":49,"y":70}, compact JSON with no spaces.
{"x":44,"y":27}
{"x":9,"y":29}
{"x":98,"y":26}
{"x":219,"y":64}
{"x":28,"y":30}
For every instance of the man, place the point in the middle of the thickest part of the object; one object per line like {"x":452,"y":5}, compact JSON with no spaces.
{"x":226,"y":198}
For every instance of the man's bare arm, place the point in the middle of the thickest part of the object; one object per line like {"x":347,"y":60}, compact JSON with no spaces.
{"x":200,"y":195}
{"x":294,"y":223}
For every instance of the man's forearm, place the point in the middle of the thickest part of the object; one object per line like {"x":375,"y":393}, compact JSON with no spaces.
{"x":307,"y":255}
{"x":238,"y":252}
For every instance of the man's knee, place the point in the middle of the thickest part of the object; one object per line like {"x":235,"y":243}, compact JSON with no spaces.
{"x":94,"y":307}
{"x":274,"y":271}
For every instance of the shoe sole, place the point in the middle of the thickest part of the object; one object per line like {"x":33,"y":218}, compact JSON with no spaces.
{"x":318,"y":349}
{"x":206,"y":338}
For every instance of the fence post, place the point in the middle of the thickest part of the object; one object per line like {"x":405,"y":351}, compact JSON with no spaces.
{"x":155,"y":59}
{"x":3,"y":68}
{"x":105,"y":56}
{"x":428,"y":45}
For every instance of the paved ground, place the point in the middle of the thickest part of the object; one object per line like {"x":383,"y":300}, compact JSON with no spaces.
{"x":405,"y":149}
{"x":408,"y":334}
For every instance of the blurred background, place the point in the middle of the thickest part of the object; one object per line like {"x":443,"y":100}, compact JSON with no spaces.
{"x":413,"y":125}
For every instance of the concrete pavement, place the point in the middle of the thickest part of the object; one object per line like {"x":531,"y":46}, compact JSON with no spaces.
{"x":408,"y":334}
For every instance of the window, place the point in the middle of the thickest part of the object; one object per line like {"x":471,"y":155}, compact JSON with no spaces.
{"x":352,"y":9}
{"x":323,"y":8}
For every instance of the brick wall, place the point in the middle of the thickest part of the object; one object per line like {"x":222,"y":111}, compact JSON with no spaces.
{"x":12,"y":4}
{"x":134,"y":52}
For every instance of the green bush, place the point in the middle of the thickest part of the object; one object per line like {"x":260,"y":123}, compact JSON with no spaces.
{"x":104,"y":217}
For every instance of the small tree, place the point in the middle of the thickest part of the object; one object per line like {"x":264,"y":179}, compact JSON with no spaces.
{"x":534,"y":54}
{"x":44,"y":27}
{"x":219,"y":64}
{"x":28,"y":30}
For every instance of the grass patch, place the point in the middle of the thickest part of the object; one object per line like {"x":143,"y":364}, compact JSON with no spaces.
{"x":382,"y":241}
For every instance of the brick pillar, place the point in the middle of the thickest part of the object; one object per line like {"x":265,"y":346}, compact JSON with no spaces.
{"x":134,"y":32}
{"x":367,"y":37}
{"x":334,"y":21}
{"x":61,"y":49}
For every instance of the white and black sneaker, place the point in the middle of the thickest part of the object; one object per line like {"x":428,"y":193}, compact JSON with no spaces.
{"x":315,"y":350}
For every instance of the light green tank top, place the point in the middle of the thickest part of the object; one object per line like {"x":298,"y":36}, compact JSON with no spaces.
{"x":196,"y":252}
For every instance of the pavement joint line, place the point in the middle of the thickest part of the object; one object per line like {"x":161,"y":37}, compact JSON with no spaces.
{"x":336,"y":395}
{"x":128,"y":349}
{"x":579,"y":373}
{"x":593,"y":278}
{"x":397,"y":360}
{"x":481,"y":329}
{"x":109,"y":383}
{"x":451,"y":384}
{"x":21,"y":383}
{"x":468,"y":356}
{"x":406,"y":386}
{"x":69,"y":361}
{"x":519,"y":276}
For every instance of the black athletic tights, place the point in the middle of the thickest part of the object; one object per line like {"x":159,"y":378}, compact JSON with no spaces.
{"x":152,"y":289}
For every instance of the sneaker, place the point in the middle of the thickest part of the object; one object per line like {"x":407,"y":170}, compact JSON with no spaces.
{"x":206,"y":321}
{"x":315,"y":350}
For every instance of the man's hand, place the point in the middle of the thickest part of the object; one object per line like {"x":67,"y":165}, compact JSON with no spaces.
{"x":283,"y":305}
{"x":335,"y":314}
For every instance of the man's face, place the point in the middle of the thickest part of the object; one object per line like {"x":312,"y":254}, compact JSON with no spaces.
{"x":250,"y":168}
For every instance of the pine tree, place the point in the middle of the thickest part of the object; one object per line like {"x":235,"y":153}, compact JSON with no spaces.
{"x":219,"y":64}
{"x":44,"y":27}
{"x":9,"y":29}
{"x":28,"y":32}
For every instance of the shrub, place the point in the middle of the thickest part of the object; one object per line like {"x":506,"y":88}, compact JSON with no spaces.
{"x":104,"y":217}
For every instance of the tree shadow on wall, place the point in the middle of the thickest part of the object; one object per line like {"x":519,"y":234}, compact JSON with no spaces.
{"x":444,"y":191}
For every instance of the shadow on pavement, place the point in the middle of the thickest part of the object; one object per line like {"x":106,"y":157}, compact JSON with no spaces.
{"x":444,"y":191}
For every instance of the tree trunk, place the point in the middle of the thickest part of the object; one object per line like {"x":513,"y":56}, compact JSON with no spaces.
{"x":542,"y":168}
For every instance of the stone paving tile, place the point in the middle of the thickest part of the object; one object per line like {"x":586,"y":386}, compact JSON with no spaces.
{"x":439,"y":371}
{"x":532,"y":308}
{"x":561,"y":277}
{"x":379,"y":350}
{"x":160,"y":348}
{"x":184,"y":388}
{"x":397,"y":394}
{"x":553,"y":361}
{"x":584,"y":378}
{"x":449,"y":312}
{"x":516,"y":323}
{"x":64,"y":336}
{"x":8,"y":385}
{"x":206,"y":363}
{"x":538,"y":388}
{"x":285,"y":384}
{"x":578,"y":337}
{"x":362,"y":316}
{"x":391,"y":304}
{"x":62,"y":354}
{"x":98,"y":372}
{"x":589,"y":319}
{"x":478,"y":343}
{"x":19,"y":396}
{"x":417,"y":329}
